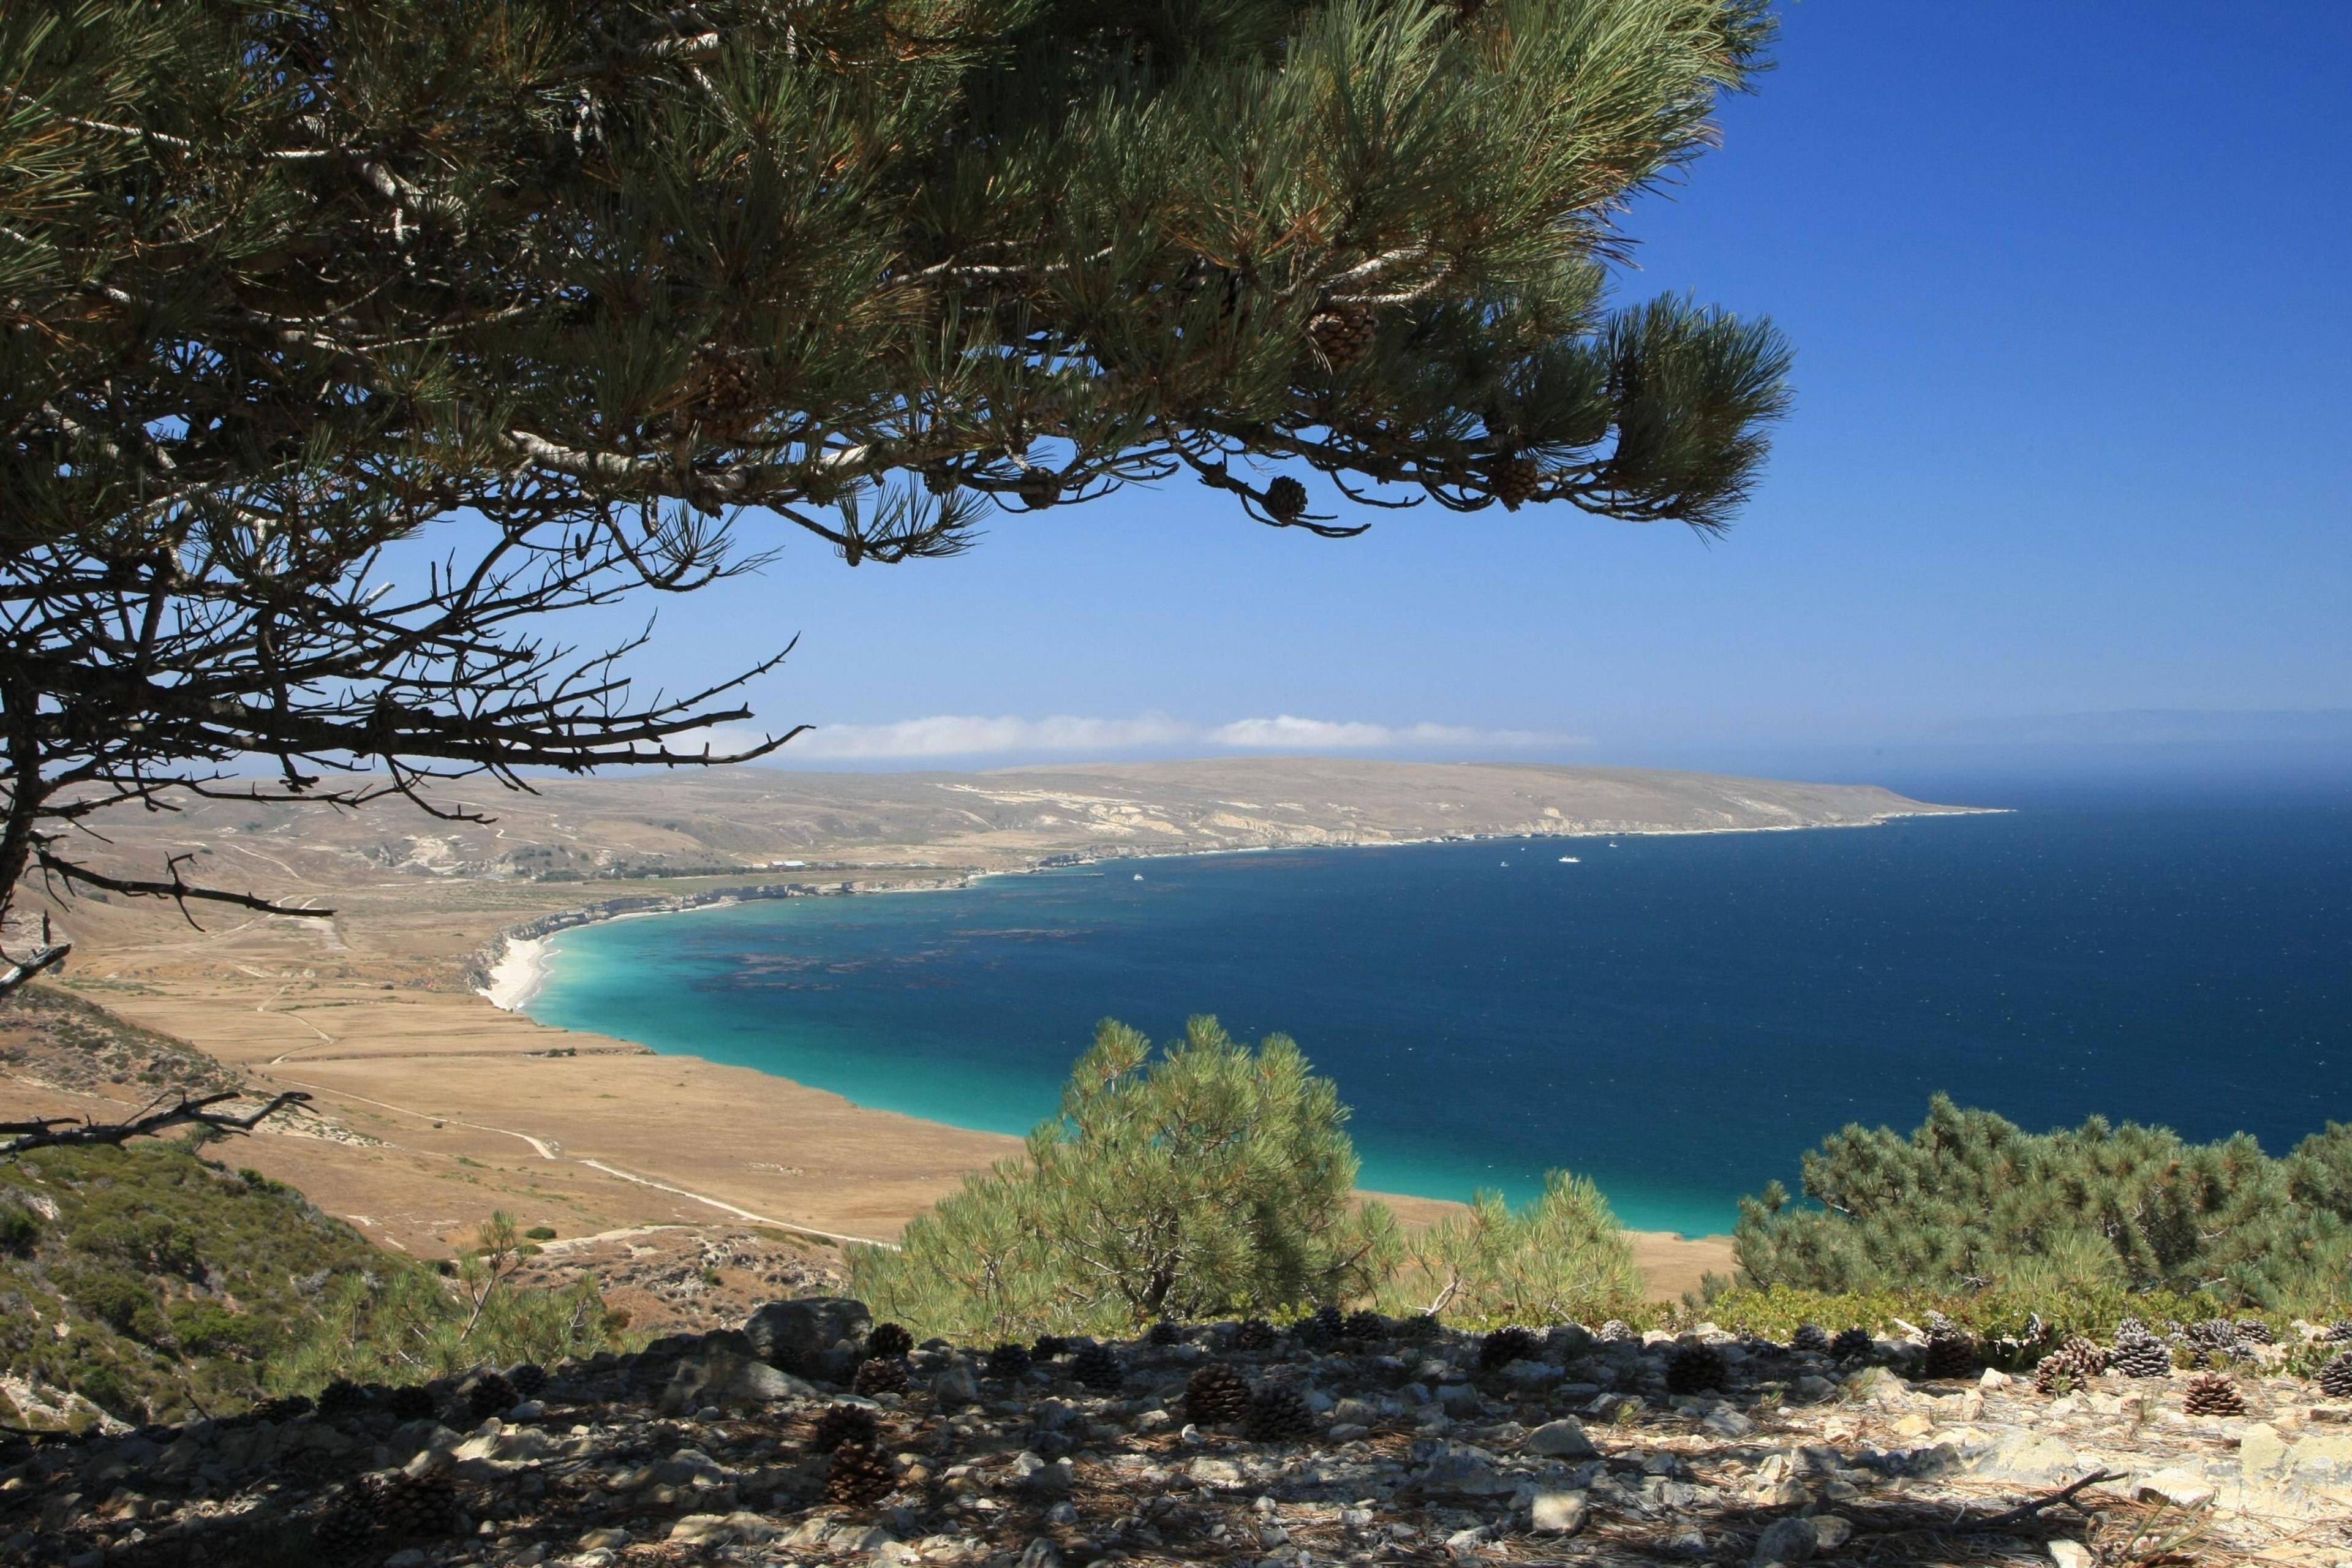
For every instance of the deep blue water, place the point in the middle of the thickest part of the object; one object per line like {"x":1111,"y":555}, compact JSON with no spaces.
{"x":1678,"y":1018}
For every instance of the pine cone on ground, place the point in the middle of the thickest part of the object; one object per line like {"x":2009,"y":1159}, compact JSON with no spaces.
{"x":1693,"y":1368}
{"x":1951,"y":1353}
{"x":2336,"y":1377}
{"x":411,"y":1403}
{"x":1166,"y":1332}
{"x":2071,"y":1366}
{"x":845,"y":1423}
{"x":2211,"y":1394}
{"x":1216,"y":1395}
{"x":1513,"y":480}
{"x":2139,"y":1354}
{"x":1254,"y":1334}
{"x":1343,"y":334}
{"x":1812,"y":1339}
{"x":1324,"y":1327}
{"x":888,"y":1342}
{"x":418,"y":1505}
{"x":1365,"y":1328}
{"x":2254,"y":1332}
{"x":1049,"y":1346}
{"x":879,"y":1374}
{"x":1853,"y":1343}
{"x":2337,"y":1332}
{"x":1097,"y":1367}
{"x":1286,"y":499}
{"x":2217,"y":1336}
{"x":490,"y":1394}
{"x":340,"y":1398}
{"x":1616,"y":1331}
{"x":1506,"y":1345}
{"x":1278,"y":1415}
{"x":530,"y":1379}
{"x":345,"y":1529}
{"x":1419,"y":1326}
{"x":1008,"y":1361}
{"x":858,"y":1476}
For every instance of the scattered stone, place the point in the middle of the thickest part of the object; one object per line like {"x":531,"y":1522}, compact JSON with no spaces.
{"x":1557,"y":1512}
{"x":1560,"y":1439}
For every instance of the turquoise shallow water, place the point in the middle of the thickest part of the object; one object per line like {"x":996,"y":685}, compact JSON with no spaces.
{"x":1678,"y":1018}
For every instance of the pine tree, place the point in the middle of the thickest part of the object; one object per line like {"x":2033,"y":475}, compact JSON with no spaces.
{"x":553,"y":298}
{"x":1215,"y":1177}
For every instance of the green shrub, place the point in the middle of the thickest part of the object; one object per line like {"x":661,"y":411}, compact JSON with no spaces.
{"x":541,"y":1233}
{"x":1562,"y":1259}
{"x":1969,"y":1201}
{"x":20,"y":1229}
{"x":1215,"y":1179}
{"x":406,"y":1323}
{"x":209,"y":1329}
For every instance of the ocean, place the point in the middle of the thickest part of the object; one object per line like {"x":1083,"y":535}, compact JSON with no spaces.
{"x":1678,"y":1018}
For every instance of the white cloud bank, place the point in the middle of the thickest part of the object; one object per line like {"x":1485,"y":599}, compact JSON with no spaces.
{"x":952,"y":736}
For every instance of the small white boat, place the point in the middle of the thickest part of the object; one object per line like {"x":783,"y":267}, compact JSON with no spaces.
{"x":1139,"y":876}
{"x":1569,"y":860}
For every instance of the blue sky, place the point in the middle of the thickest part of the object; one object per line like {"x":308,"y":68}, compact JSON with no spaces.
{"x":2073,"y":434}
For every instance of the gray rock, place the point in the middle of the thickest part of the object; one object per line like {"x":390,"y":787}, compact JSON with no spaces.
{"x":1463,"y":1474}
{"x":1458,"y":1399}
{"x":806,"y":1327}
{"x":1557,"y":1511}
{"x":956,"y":1386}
{"x":1041,"y":1553}
{"x":722,"y":1378}
{"x":1830,"y":1531}
{"x":1560,"y":1439}
{"x":1726,"y":1422}
{"x":1787,"y":1541}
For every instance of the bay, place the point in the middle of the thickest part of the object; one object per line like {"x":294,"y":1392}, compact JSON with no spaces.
{"x":1676,"y":1016}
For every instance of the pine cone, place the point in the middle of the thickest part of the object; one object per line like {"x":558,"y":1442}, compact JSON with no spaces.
{"x":1951,"y":1353}
{"x":530,"y":1379}
{"x":345,"y":1529}
{"x":2336,"y":1377}
{"x":1513,"y":480}
{"x":1097,"y":1367}
{"x":1852,"y":1343}
{"x":1040,"y":490}
{"x":2215,"y":1336}
{"x":889,"y":1342}
{"x":2071,"y":1366}
{"x":1166,"y":1332}
{"x":845,"y":1423}
{"x":1217,"y":1394}
{"x":490,"y":1394}
{"x":418,"y":1505}
{"x":2254,"y":1332}
{"x":879,"y":1374}
{"x":1810,"y":1339}
{"x":412,"y":1403}
{"x":2211,"y":1394}
{"x":340,"y":1398}
{"x":1343,"y":334}
{"x":1506,"y":1345}
{"x":1278,"y":1415}
{"x":1008,"y":1361}
{"x":1693,"y":1368}
{"x":2337,"y":1332}
{"x":1254,"y":1334}
{"x":1286,"y":499}
{"x":859,"y":1476}
{"x":2140,"y":1354}
{"x":1365,"y":1328}
{"x":1616,"y":1331}
{"x":1049,"y":1346}
{"x":1325,"y":1327}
